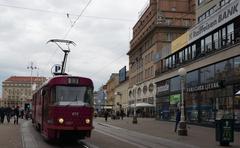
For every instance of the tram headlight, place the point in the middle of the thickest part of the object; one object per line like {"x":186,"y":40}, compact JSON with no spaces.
{"x":87,"y":121}
{"x":60,"y":120}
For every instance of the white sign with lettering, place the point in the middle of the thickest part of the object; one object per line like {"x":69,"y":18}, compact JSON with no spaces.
{"x":218,"y":19}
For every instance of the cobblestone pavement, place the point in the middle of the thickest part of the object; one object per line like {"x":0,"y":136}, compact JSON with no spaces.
{"x":197,"y":135}
{"x":10,"y":135}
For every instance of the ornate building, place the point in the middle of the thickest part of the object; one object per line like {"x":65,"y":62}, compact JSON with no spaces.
{"x":17,"y":90}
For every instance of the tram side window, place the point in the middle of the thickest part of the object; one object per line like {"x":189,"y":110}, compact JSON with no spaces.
{"x":88,"y":97}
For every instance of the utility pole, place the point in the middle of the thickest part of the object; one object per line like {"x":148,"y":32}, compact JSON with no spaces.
{"x":31,"y":67}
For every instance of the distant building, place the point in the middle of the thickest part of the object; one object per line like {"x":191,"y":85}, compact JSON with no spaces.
{"x":110,"y":90}
{"x":17,"y":90}
{"x":160,"y":23}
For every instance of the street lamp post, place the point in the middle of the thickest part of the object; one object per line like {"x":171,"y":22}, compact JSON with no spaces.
{"x":182,"y":125}
{"x":135,"y":101}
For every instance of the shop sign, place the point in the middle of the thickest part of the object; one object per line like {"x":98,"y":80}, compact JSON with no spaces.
{"x":203,"y":87}
{"x":175,"y":99}
{"x":219,"y":18}
{"x":162,"y":88}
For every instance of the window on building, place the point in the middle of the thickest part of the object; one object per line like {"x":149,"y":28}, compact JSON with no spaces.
{"x":169,"y":36}
{"x":200,"y":2}
{"x":230,"y":33}
{"x":186,"y":54}
{"x":175,"y":84}
{"x":207,"y":74}
{"x":223,"y":36}
{"x":181,"y":56}
{"x":192,"y":78}
{"x":215,"y":40}
{"x":194,"y":51}
{"x":173,"y":61}
{"x":208,"y":43}
{"x":202,"y":46}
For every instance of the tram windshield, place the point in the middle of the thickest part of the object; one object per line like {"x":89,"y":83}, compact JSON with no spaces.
{"x":73,"y":94}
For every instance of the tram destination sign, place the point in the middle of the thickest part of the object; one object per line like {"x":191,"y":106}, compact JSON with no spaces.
{"x":203,"y":87}
{"x":219,"y":18}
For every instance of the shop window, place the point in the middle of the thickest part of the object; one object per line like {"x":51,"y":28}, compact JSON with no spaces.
{"x":207,"y":74}
{"x":237,"y":67}
{"x":223,"y":70}
{"x":192,"y":78}
{"x":175,"y":84}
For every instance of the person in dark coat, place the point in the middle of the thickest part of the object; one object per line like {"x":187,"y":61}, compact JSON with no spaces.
{"x":2,"y":114}
{"x":16,"y":114}
{"x":106,"y":115}
{"x":122,"y":114}
{"x":8,"y":112}
{"x":178,"y":117}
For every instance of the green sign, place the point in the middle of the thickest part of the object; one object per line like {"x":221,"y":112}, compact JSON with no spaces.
{"x":227,"y":131}
{"x":175,"y":99}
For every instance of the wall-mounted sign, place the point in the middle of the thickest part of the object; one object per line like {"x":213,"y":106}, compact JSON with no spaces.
{"x":220,"y":17}
{"x":162,"y":88}
{"x":203,"y":87}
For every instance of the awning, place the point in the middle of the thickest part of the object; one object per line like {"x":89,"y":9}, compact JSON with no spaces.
{"x":142,"y":105}
{"x":238,"y":93}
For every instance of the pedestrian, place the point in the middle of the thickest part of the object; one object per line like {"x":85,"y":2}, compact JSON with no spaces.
{"x":2,"y":114}
{"x":106,"y":115}
{"x":16,"y":114}
{"x":122,"y":114}
{"x":22,"y":113}
{"x":8,"y":112}
{"x":178,"y":116}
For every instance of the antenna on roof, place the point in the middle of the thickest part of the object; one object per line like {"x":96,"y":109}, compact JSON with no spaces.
{"x":66,"y":51}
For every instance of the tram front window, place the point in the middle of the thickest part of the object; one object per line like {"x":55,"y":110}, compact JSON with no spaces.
{"x":73,"y":94}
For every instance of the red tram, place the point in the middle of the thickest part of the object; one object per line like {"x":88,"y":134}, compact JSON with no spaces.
{"x":63,"y":107}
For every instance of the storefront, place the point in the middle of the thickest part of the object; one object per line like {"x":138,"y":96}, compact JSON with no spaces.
{"x":210,"y":92}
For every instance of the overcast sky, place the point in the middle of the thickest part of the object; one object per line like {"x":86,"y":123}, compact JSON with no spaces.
{"x":102,"y":35}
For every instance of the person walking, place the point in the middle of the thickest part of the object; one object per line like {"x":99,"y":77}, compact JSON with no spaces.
{"x":178,"y":116}
{"x":106,"y":115}
{"x":2,"y":114}
{"x":122,"y":114}
{"x":8,"y":112}
{"x":16,"y":114}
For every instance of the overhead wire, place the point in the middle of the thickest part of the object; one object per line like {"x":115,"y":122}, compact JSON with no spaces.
{"x":105,"y":66}
{"x":65,"y":13}
{"x":73,"y":24}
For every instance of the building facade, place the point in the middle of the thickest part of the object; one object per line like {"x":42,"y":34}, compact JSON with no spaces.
{"x":161,"y":22}
{"x":111,"y":85}
{"x":121,"y":95}
{"x":17,"y":90}
{"x":211,"y":57}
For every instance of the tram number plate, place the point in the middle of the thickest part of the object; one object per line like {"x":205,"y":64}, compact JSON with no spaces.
{"x":75,"y":113}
